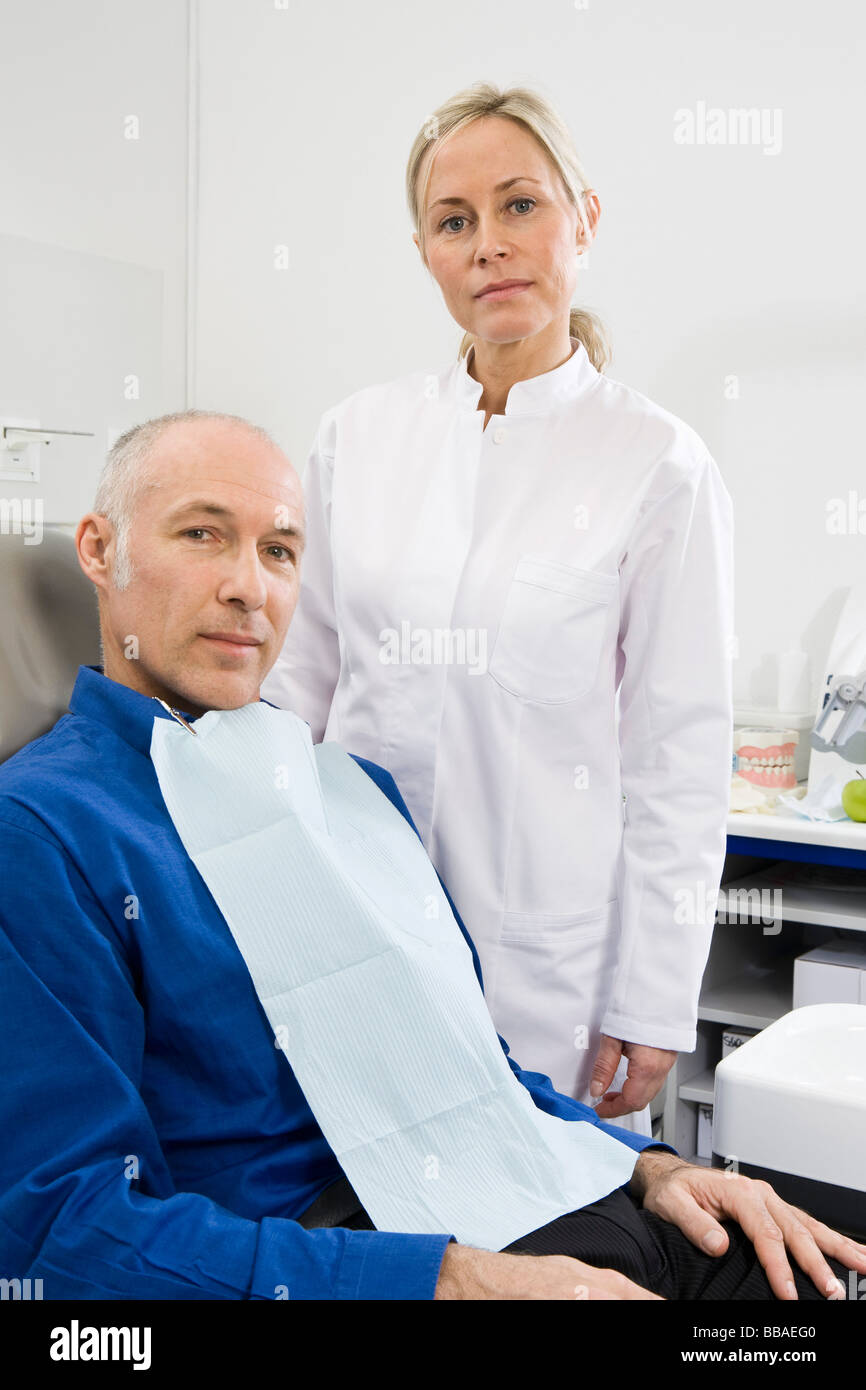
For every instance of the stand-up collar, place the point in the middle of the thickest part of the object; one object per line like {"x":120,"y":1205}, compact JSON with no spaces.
{"x":538,"y":395}
{"x":129,"y":713}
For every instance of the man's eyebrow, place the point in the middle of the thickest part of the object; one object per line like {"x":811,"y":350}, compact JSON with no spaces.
{"x":500,"y":187}
{"x":201,"y":504}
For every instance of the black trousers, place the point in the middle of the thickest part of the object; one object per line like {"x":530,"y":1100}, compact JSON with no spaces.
{"x":617,"y":1233}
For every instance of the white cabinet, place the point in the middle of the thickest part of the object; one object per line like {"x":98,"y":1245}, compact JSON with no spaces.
{"x":788,"y":885}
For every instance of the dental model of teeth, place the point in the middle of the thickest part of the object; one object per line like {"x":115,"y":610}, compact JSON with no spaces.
{"x":765,"y":757}
{"x":762,"y":767}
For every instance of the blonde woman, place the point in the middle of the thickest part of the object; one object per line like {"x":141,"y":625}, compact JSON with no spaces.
{"x":516,"y":597}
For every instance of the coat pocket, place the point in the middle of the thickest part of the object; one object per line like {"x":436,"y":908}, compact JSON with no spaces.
{"x":552,"y":631}
{"x":588,"y":924}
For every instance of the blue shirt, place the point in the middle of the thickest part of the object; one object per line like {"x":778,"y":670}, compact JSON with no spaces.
{"x":156,"y":1144}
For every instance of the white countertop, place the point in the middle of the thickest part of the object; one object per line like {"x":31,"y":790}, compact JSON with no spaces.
{"x":784,"y":824}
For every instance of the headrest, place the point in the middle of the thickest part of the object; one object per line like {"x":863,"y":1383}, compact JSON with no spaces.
{"x":49,"y":626}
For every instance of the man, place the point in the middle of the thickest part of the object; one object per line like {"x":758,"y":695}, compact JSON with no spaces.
{"x":156,"y":1143}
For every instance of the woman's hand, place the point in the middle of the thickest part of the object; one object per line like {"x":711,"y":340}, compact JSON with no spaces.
{"x":695,"y":1199}
{"x":647,"y":1069}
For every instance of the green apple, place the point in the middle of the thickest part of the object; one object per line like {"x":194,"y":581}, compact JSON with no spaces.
{"x":854,"y":798}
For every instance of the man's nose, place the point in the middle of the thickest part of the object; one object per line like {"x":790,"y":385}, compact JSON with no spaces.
{"x":245,"y":579}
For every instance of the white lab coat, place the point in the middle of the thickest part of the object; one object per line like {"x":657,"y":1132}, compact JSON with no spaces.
{"x":586,"y":535}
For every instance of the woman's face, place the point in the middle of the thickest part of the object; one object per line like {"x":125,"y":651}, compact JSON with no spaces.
{"x":497,"y":211}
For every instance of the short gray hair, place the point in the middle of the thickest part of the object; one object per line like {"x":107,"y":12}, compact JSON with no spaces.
{"x":129,"y":471}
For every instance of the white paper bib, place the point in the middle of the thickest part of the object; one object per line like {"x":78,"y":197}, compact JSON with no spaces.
{"x":369,"y":984}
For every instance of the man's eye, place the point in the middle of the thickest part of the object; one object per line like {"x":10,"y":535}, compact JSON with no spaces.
{"x":285,"y":555}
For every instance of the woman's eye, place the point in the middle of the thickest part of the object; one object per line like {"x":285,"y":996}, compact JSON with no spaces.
{"x":527,"y":205}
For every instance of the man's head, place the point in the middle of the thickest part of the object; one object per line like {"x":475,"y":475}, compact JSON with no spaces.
{"x":195,"y":537}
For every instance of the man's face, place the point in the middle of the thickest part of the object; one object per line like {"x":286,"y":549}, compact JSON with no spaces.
{"x":215,"y":552}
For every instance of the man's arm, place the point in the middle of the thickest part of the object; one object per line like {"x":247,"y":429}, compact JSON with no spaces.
{"x":87,"y":1200}
{"x":539,"y":1086}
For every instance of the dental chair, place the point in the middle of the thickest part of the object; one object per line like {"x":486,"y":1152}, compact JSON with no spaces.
{"x":49,"y":626}
{"x":790,"y":1107}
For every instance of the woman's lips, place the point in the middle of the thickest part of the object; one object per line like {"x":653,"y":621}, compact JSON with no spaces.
{"x":506,"y":292}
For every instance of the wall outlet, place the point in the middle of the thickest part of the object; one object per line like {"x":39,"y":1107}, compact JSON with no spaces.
{"x":19,"y":453}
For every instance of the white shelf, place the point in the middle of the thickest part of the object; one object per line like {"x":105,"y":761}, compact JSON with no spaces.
{"x":825,"y":901}
{"x":754,"y":999}
{"x":700,"y":1088}
{"x":787,"y":825}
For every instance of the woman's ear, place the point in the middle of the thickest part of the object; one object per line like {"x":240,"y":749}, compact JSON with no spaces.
{"x":593,"y":210}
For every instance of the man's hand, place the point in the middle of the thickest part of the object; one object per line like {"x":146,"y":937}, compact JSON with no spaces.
{"x":696,"y":1198}
{"x":483,"y":1274}
{"x":647,"y":1069}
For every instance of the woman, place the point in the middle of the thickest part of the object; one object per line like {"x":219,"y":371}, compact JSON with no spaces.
{"x":497,"y":557}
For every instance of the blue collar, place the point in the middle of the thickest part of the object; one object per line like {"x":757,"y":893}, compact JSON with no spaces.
{"x":125,"y":711}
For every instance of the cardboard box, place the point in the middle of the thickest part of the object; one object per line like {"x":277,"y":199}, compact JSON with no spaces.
{"x":734,"y":1036}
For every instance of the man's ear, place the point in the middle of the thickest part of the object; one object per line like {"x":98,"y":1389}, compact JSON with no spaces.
{"x":94,"y":535}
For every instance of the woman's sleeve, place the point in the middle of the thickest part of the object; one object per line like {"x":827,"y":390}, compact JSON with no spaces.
{"x":675,"y":737}
{"x":304,"y":676}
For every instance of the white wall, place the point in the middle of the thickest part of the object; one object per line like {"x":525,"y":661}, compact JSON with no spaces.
{"x":93,"y":226}
{"x":711,"y":262}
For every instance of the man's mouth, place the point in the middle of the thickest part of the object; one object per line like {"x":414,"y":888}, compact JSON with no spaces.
{"x":239,"y":643}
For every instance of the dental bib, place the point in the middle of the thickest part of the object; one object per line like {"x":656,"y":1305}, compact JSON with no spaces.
{"x":369,"y":985}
